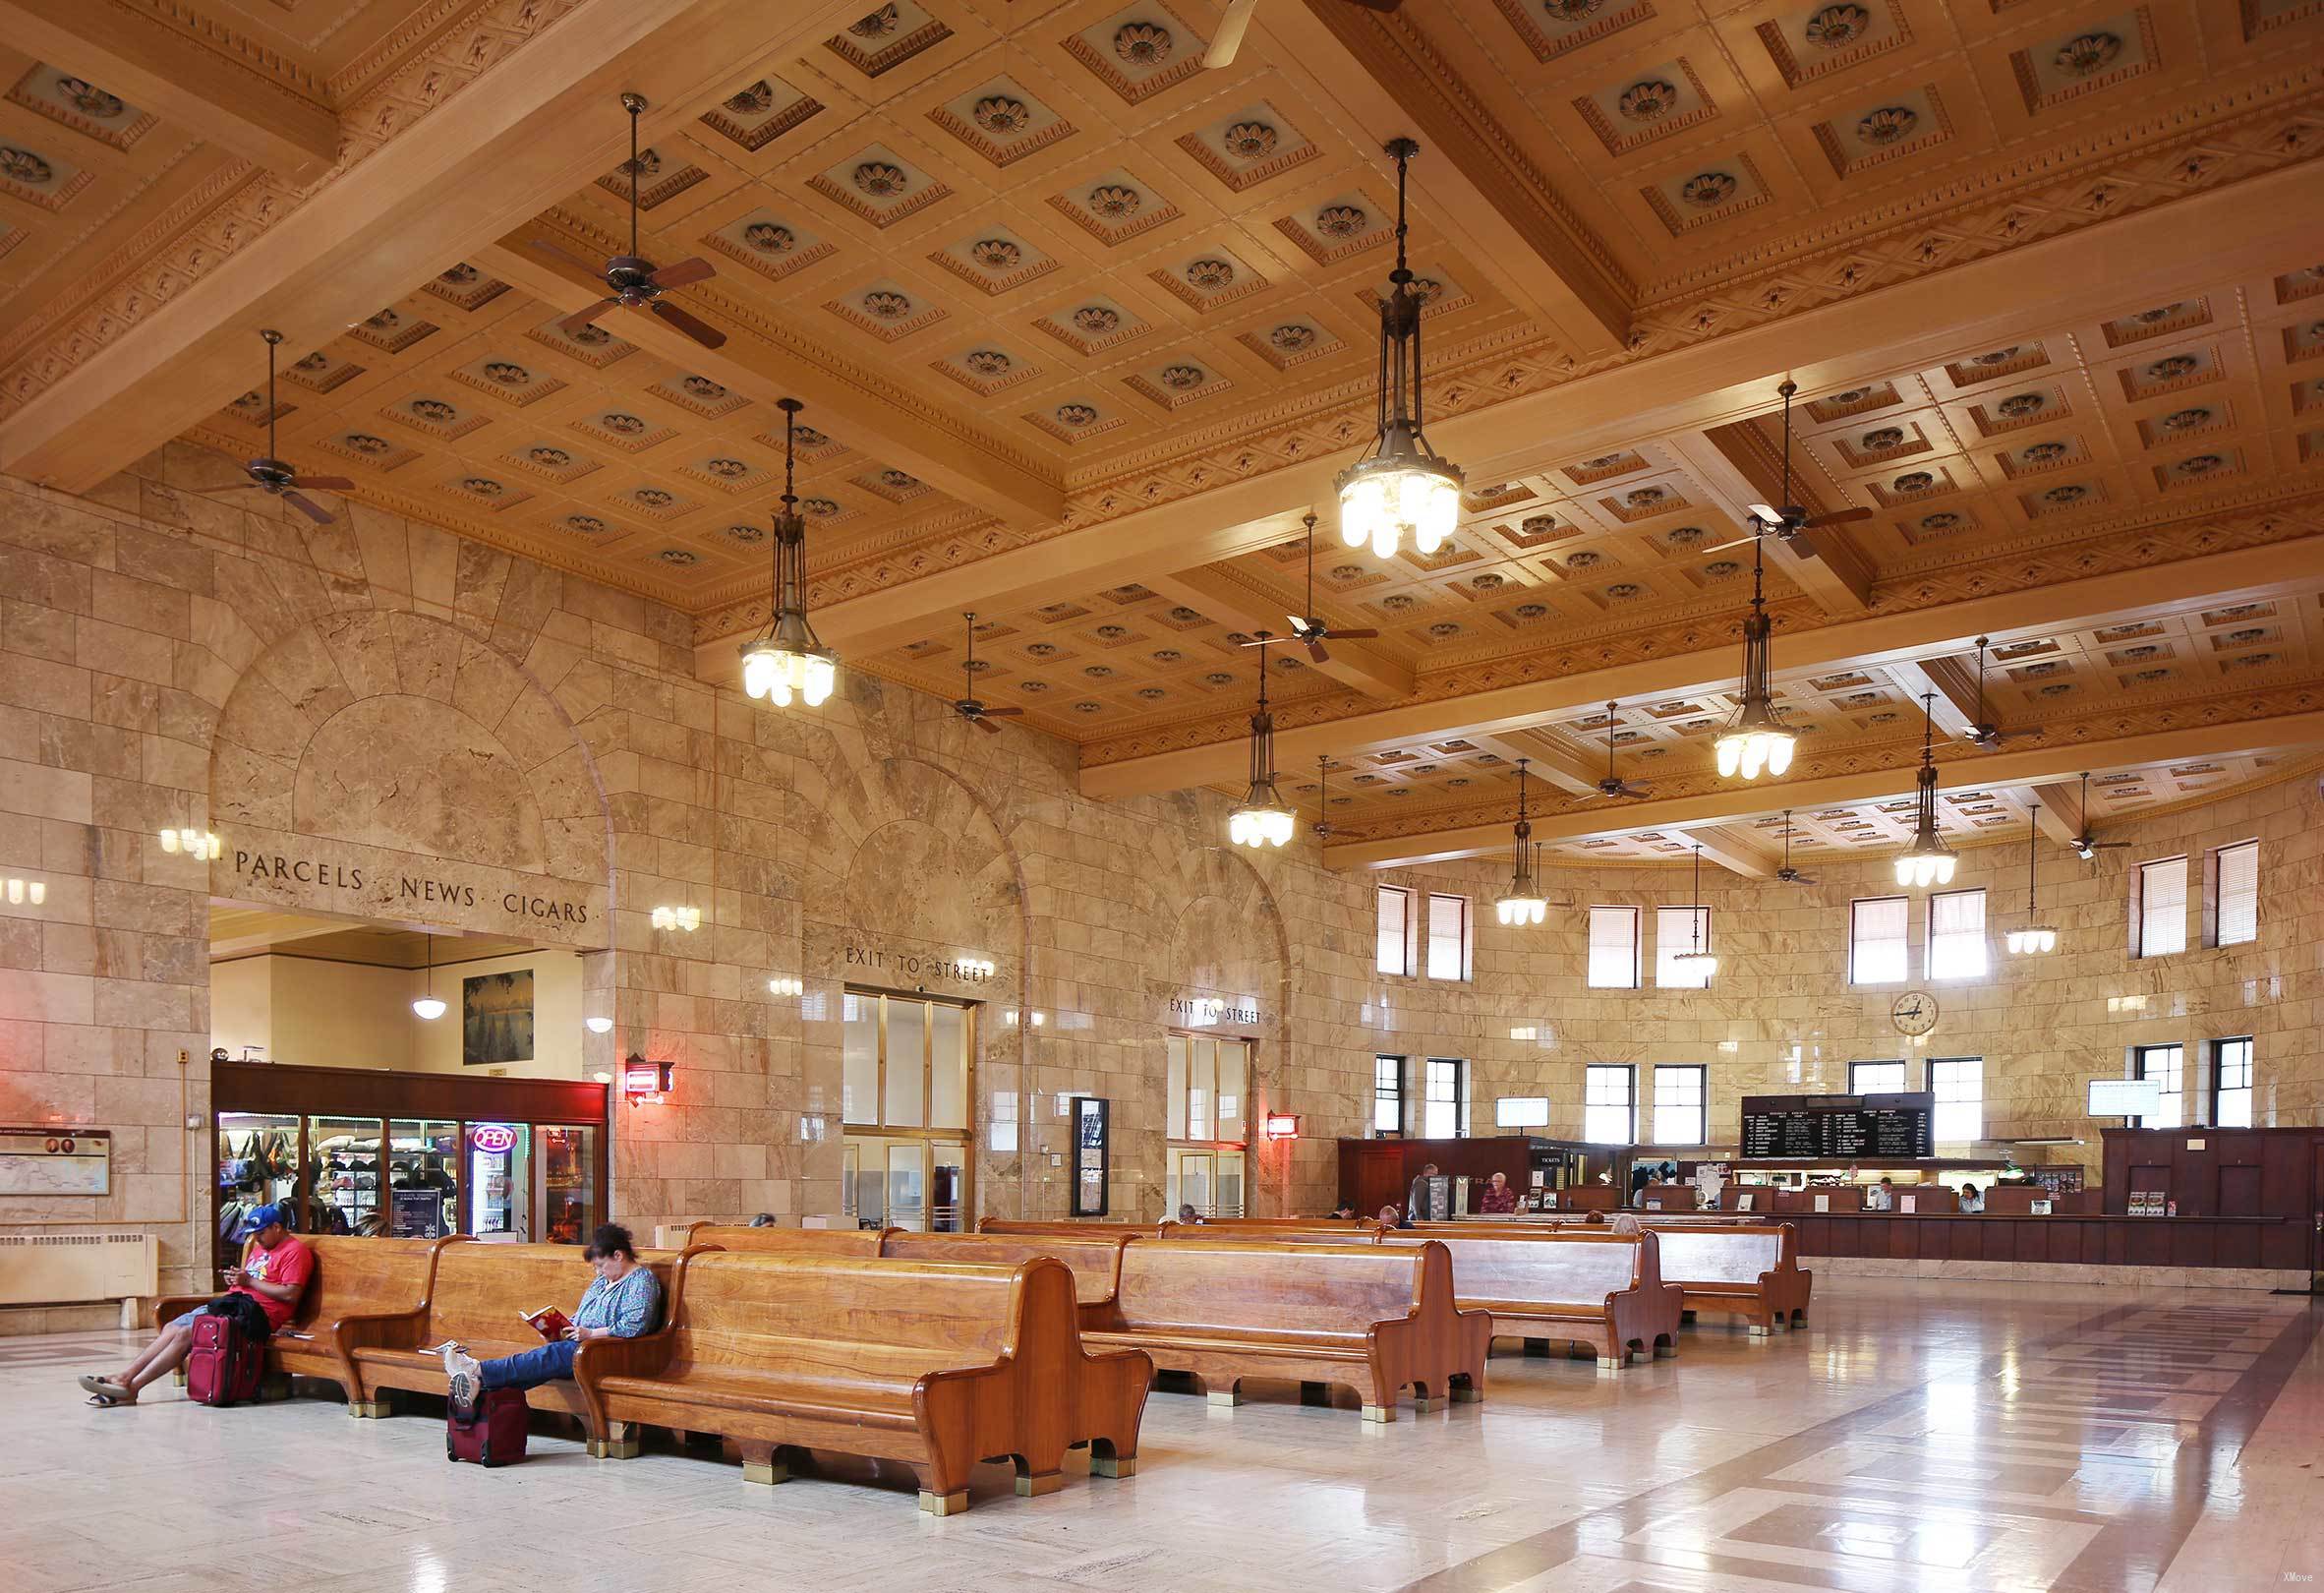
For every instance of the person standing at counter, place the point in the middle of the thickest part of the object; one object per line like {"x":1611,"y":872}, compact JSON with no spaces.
{"x":1971,"y":1201}
{"x":1498,"y":1197}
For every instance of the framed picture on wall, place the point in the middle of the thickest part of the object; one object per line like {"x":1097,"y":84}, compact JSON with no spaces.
{"x":497,"y":1017}
{"x":1091,"y":1131}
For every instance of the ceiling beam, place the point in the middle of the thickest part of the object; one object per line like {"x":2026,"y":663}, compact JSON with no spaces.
{"x":1551,"y":758}
{"x":187,"y":72}
{"x":1738,"y":467}
{"x":1498,"y":215}
{"x":1956,"y":706}
{"x":2247,"y":574}
{"x":1736,"y":850}
{"x":770,"y":361}
{"x":537,"y":124}
{"x":1226,"y":597}
{"x":2061,"y":814}
{"x":2037,"y":766}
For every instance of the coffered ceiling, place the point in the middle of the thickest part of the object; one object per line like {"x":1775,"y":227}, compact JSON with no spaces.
{"x":1084,"y":327}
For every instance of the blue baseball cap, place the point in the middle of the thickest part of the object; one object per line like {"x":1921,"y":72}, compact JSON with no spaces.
{"x":260,"y":1217}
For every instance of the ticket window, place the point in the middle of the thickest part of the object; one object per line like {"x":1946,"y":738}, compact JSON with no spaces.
{"x":567,"y":1192}
{"x":423,"y":1178}
{"x":500,"y":1181}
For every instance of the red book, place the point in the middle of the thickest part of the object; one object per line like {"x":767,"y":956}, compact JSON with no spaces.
{"x":550,"y":1322}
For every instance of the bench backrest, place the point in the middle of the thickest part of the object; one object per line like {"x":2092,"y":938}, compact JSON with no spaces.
{"x":1563,"y":1267}
{"x":1728,"y":1253}
{"x":733,"y":1300}
{"x":1332,"y":1291}
{"x":483,"y":1291}
{"x":1323,"y":1230}
{"x":361,"y":1277}
{"x":1094,"y":1261}
{"x":863,"y":1242}
{"x":1061,"y":1225}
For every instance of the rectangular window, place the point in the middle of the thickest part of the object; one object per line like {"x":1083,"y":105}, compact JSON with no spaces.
{"x":1613,"y":948}
{"x":1679,"y":1104}
{"x":1609,"y":1102}
{"x":1448,"y":1098}
{"x":1205,"y":1083}
{"x":2231,"y":1082}
{"x":1958,"y":1084}
{"x":2235,"y":894}
{"x":1387,"y":1094}
{"x":1957,"y":935}
{"x":2162,"y":909}
{"x":1394,"y":956}
{"x":1680,"y":929}
{"x":1876,"y":1078}
{"x":1448,"y":937}
{"x":1876,"y":940}
{"x":2165,"y":1065}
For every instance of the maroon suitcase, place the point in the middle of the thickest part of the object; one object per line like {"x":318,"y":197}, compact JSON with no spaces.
{"x":225,"y":1364}
{"x":494,"y":1435}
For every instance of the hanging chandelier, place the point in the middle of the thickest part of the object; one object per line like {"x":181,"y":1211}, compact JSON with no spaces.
{"x":1265,"y":820}
{"x":2036,"y":937}
{"x":427,"y":1008}
{"x":788,"y":659}
{"x":1928,"y":861}
{"x":1522,"y":902}
{"x":1697,"y":957}
{"x":1402,"y":485}
{"x":1755,"y":738}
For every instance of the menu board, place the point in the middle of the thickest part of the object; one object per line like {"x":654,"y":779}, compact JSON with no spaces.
{"x":1810,"y":1128}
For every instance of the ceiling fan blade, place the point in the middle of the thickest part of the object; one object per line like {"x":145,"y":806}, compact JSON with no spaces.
{"x":1739,"y":542}
{"x":325,"y":484}
{"x":707,"y":335}
{"x":1299,"y":625}
{"x":566,"y":254}
{"x":1846,"y":517}
{"x":983,"y":724}
{"x":1801,"y":879}
{"x":1229,"y":38}
{"x":1002,"y":713}
{"x":1635,"y":791}
{"x":1763,"y":513}
{"x":1351,"y":635}
{"x":683,"y":273}
{"x":574,"y":323}
{"x":1260,"y":641}
{"x":1316,"y":649}
{"x":243,"y":487}
{"x":313,"y":511}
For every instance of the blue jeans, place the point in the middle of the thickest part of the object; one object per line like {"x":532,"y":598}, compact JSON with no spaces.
{"x":529,"y":1369}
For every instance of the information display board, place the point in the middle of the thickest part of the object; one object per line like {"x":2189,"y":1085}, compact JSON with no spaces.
{"x":1813,"y":1128}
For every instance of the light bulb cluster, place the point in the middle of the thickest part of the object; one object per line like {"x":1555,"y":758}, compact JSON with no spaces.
{"x":788,"y":659}
{"x":1397,"y":491}
{"x":1921,"y":869}
{"x":688,"y":918}
{"x":2033,"y":940}
{"x":192,"y":843}
{"x":1258,"y":824}
{"x":1697,"y":961}
{"x":1521,"y":910}
{"x":772,"y":672}
{"x":27,"y":892}
{"x":1746,"y":752}
{"x":781,"y":985}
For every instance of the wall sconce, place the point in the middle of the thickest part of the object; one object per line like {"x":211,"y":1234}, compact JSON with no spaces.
{"x":785,"y":987}
{"x":599,"y":1026}
{"x":192,"y":843}
{"x":23,"y":891}
{"x":644,"y":1083}
{"x":1034,"y":1019}
{"x":1282,"y":1125}
{"x":688,"y":918}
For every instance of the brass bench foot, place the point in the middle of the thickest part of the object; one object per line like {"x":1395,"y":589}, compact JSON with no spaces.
{"x":952,"y":1504}
{"x":770,"y":1473}
{"x":1613,"y":1363}
{"x":1107,"y":1466}
{"x":1379,"y":1413}
{"x":1047,"y":1482}
{"x":1665,"y":1352}
{"x":1425,"y":1404}
{"x":1466,"y":1396}
{"x":1761,"y":1330}
{"x":1226,"y":1396}
{"x":178,"y":1377}
{"x":621,"y":1449}
{"x":371,"y":1410}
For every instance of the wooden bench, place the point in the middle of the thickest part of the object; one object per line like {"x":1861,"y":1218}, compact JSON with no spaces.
{"x":1095,"y":1261}
{"x":1373,"y":1317}
{"x":1323,"y":1231}
{"x":935,"y":1363}
{"x":1581,"y":1285}
{"x":480,"y":1294}
{"x":860,"y":1242}
{"x":1748,"y":1268}
{"x":352,"y":1277}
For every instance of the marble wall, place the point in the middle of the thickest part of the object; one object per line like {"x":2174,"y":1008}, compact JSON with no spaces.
{"x":482,"y":735}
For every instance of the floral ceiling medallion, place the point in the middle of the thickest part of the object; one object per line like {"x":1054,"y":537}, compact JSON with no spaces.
{"x":1837,"y":24}
{"x":1709,"y":190}
{"x":2086,"y":53}
{"x":1888,"y":125}
{"x":1138,"y":52}
{"x":1647,"y":102}
{"x":886,"y":38}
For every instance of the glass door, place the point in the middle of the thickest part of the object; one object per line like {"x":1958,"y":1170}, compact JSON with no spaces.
{"x":499,"y":1183}
{"x":423,"y":1178}
{"x":258,"y":1164}
{"x":907,"y":1185}
{"x":907,"y":1081}
{"x":567,"y":1193}
{"x":343,"y":1177}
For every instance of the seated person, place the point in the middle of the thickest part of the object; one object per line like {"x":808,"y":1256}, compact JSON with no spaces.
{"x":1971,"y":1199}
{"x":764,"y":1219}
{"x":1345,"y":1212}
{"x":259,"y":1296}
{"x":622,"y":1301}
{"x":1881,"y":1197}
{"x":1498,"y":1197}
{"x":1187,"y":1214}
{"x":1392,"y":1215}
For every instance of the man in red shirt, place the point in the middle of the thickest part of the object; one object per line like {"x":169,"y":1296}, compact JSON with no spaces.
{"x":261,"y":1295}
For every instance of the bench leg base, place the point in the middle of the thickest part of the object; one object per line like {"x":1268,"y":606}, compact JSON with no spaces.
{"x":1613,"y":1363}
{"x":769,"y":1473}
{"x":1379,"y":1413}
{"x":1226,"y":1396}
{"x":1759,"y":1329}
{"x":952,"y":1504}
{"x":1467,"y":1394}
{"x":1425,"y":1404}
{"x":1047,"y":1482}
{"x":372,"y":1410}
{"x":275,"y":1387}
{"x":178,"y":1377}
{"x":609,"y":1448}
{"x":1665,"y":1352}
{"x":1112,"y":1465}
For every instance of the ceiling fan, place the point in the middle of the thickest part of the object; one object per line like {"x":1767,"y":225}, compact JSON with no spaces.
{"x":1324,"y":827}
{"x":1789,"y":521}
{"x":1613,"y":785}
{"x":1231,"y":28}
{"x":1310,"y":627}
{"x":1788,"y":874}
{"x":2087,"y":845}
{"x":269,"y":475}
{"x":1984,"y":731}
{"x":634,"y":280}
{"x":968,"y":708}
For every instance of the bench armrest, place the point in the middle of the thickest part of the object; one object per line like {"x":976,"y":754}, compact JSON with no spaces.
{"x":167,"y":1306}
{"x":382,"y":1329}
{"x":646,"y":1356}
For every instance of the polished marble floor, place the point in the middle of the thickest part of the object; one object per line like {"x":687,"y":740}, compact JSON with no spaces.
{"x":1968,"y":1438}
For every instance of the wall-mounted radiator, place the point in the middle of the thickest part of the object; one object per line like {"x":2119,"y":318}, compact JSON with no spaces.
{"x":67,"y":1269}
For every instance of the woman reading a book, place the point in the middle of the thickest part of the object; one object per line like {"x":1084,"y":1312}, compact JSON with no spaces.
{"x":622,"y":1301}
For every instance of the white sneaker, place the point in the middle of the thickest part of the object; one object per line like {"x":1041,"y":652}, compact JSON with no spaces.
{"x":463,"y":1375}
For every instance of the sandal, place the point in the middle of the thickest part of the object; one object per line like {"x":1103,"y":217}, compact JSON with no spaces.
{"x":106,"y":1401}
{"x":120,"y":1392}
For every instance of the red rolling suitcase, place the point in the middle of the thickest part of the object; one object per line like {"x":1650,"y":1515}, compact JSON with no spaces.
{"x":494,"y":1435}
{"x":225,"y":1364}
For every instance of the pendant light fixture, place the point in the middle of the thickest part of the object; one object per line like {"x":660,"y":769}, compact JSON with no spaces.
{"x":788,"y":659}
{"x":1928,"y":861}
{"x":427,"y":1008}
{"x":1697,"y":957}
{"x":1755,"y":738}
{"x":1402,"y":485}
{"x":1265,"y":820}
{"x":1522,"y":902}
{"x":2036,"y":937}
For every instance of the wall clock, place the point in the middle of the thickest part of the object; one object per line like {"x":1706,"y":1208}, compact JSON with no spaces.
{"x":1914,"y":1012}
